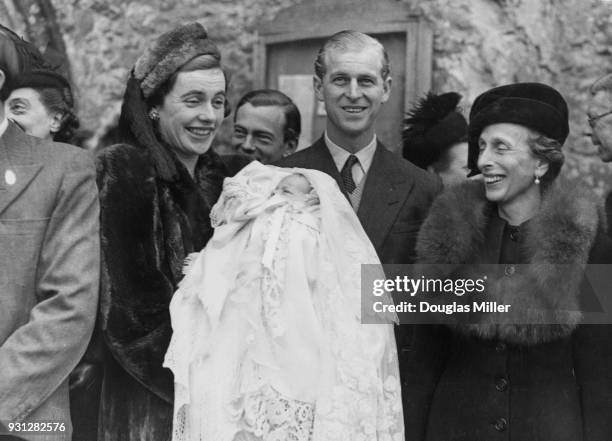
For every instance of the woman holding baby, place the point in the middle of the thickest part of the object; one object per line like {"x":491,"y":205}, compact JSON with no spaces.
{"x":157,"y":189}
{"x":267,"y":340}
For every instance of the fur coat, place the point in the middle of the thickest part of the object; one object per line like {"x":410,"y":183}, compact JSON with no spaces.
{"x":496,"y":379}
{"x":149,"y":225}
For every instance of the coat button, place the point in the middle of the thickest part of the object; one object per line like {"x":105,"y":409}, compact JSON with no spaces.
{"x":500,"y":347}
{"x":509,"y":270}
{"x":501,"y":424}
{"x":501,"y":384}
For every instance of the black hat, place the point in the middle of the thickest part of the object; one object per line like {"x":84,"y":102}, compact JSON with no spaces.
{"x":41,"y":78}
{"x":46,"y":79}
{"x":431,"y":127}
{"x":533,"y":105}
{"x":16,"y":56}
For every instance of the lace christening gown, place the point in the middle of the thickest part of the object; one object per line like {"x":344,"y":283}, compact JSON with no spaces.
{"x":267,"y":343}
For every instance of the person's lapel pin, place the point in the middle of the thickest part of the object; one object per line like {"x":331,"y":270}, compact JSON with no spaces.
{"x":9,"y":177}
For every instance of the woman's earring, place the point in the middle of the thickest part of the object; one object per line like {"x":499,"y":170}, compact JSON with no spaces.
{"x":154,"y":114}
{"x":537,"y":180}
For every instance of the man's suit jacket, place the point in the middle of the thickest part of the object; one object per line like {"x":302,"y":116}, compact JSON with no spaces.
{"x":49,"y":275}
{"x":395,"y":199}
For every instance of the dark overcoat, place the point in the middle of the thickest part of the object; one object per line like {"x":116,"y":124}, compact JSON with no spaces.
{"x":148,"y":225}
{"x":488,"y":381}
{"x":395,"y":201}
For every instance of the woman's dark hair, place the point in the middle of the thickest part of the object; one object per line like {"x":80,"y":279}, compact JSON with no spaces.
{"x":202,"y":62}
{"x":56,"y":100}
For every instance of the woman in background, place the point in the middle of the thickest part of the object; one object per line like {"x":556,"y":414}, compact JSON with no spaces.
{"x":156,"y":189}
{"x":435,"y":137}
{"x":42,"y":104}
{"x":537,"y":373}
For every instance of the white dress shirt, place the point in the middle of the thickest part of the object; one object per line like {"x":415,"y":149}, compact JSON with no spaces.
{"x":365,"y":156}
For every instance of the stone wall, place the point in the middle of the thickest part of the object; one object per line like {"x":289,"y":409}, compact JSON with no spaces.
{"x":478,"y":44}
{"x":104,"y":39}
{"x":566,"y":43}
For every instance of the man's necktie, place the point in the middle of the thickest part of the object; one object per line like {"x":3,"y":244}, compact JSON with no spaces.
{"x":347,"y":174}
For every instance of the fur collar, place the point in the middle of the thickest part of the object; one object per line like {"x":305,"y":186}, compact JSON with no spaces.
{"x":562,"y":233}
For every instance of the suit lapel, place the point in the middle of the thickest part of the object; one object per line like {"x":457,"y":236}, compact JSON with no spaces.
{"x":322,"y":160}
{"x":17,"y":168}
{"x":386,"y":188}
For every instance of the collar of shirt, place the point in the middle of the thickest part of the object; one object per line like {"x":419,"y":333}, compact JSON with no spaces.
{"x":365,"y":155}
{"x":3,"y":126}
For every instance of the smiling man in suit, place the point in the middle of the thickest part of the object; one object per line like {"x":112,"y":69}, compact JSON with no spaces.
{"x":49,"y":270}
{"x":390,"y":195}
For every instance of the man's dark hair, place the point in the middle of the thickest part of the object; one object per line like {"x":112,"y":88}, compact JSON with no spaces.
{"x":270,"y":97}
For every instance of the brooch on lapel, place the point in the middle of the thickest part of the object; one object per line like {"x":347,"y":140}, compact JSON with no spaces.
{"x":10,"y":177}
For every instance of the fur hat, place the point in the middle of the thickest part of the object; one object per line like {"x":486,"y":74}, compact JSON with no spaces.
{"x":533,"y":105}
{"x":169,"y":52}
{"x":432,"y":127}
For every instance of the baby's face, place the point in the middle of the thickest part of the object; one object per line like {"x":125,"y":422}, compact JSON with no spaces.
{"x":295,"y":184}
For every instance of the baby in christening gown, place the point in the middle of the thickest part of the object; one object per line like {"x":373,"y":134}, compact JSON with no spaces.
{"x":267,"y":342}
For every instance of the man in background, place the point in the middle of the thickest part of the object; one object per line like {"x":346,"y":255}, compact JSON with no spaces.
{"x":266,"y":126}
{"x":599,"y":115}
{"x":49,"y":269}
